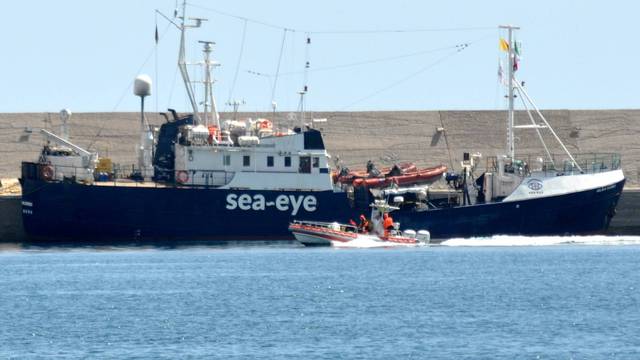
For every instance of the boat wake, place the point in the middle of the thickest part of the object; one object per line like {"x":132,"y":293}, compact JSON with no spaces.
{"x":507,"y":240}
{"x":367,"y":243}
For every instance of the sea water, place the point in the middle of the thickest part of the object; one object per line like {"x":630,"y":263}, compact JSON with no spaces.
{"x":553,"y":298}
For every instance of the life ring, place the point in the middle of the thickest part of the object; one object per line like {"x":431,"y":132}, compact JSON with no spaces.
{"x":46,"y":172}
{"x":182,"y":176}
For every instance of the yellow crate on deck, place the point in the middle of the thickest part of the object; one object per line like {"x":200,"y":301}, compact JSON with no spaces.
{"x":104,"y":165}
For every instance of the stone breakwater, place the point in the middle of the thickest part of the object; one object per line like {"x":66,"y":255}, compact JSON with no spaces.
{"x":356,"y":137}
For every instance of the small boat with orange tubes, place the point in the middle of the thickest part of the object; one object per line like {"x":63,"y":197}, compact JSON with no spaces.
{"x":421,"y":176}
{"x":315,"y":233}
{"x":348,"y":176}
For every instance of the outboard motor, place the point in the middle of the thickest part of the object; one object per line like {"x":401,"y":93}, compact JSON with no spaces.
{"x":409,"y":233}
{"x":423,"y":236}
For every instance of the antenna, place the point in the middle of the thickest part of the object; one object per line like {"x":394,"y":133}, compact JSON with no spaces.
{"x":236,"y":105}
{"x":142,"y":88}
{"x":301,"y":106}
{"x":305,"y":88}
{"x":209,"y":99}
{"x":274,"y":106}
{"x":65,"y":116}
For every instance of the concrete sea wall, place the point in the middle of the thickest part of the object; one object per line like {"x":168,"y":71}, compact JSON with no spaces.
{"x":355,"y":137}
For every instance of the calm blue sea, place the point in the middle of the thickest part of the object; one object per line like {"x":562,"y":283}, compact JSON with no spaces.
{"x":562,"y":301}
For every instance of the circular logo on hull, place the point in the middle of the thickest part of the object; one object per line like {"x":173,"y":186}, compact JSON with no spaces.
{"x":534,"y":184}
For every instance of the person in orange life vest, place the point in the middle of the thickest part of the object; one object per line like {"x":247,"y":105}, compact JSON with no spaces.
{"x":387,"y":223}
{"x":364,"y":224}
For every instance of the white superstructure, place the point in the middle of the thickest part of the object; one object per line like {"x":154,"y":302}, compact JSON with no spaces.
{"x":267,"y":163}
{"x":245,"y":153}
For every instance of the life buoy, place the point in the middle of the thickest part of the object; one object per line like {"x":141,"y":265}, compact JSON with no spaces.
{"x":182,"y":176}
{"x":46,"y":172}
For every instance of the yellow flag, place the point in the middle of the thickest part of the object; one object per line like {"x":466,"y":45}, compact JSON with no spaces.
{"x":504,"y":45}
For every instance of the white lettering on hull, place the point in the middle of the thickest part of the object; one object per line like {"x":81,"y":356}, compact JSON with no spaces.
{"x":258,"y":202}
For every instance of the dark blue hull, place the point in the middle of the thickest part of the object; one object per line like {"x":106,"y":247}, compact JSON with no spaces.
{"x":71,"y":212}
{"x":576,"y":213}
{"x":76,"y":212}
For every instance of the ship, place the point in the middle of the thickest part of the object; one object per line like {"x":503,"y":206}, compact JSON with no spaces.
{"x":516,"y":194}
{"x":199,"y":178}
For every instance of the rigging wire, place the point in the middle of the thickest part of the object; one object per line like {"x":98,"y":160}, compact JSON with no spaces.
{"x":341,"y":32}
{"x":235,"y":75}
{"x":407,"y":30}
{"x":404,"y":79}
{"x":446,"y":141}
{"x":126,"y":90}
{"x":275,"y":80}
{"x":377,"y":60}
{"x":173,"y":85}
{"x":308,"y":69}
{"x":259,"y":22}
{"x":533,"y":122}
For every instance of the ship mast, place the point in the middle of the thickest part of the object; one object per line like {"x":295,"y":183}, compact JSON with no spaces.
{"x":182,"y":64}
{"x":209,"y":99}
{"x":511,"y":81}
{"x":514,"y":85}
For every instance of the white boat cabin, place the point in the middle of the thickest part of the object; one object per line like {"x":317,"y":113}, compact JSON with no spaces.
{"x":247,"y":157}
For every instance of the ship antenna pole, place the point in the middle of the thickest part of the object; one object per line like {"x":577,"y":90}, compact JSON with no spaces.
{"x":209,"y":99}
{"x":236,"y":105}
{"x":305,"y":88}
{"x":510,"y":116}
{"x":182,"y":65}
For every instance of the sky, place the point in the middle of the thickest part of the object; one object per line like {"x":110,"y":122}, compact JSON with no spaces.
{"x":84,"y":55}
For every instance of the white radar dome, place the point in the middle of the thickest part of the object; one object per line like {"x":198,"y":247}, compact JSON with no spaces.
{"x":65,"y":114}
{"x":142,"y":85}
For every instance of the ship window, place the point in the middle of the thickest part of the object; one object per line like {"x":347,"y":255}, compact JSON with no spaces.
{"x":246,"y":160}
{"x":305,"y":165}
{"x":226,"y":160}
{"x":270,"y":161}
{"x":287,"y":161}
{"x":316,"y":162}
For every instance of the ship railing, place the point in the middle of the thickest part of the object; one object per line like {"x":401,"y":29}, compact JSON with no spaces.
{"x":204,"y":178}
{"x":559,"y":164}
{"x":120,"y":175}
{"x":194,"y":177}
{"x":50,"y":172}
